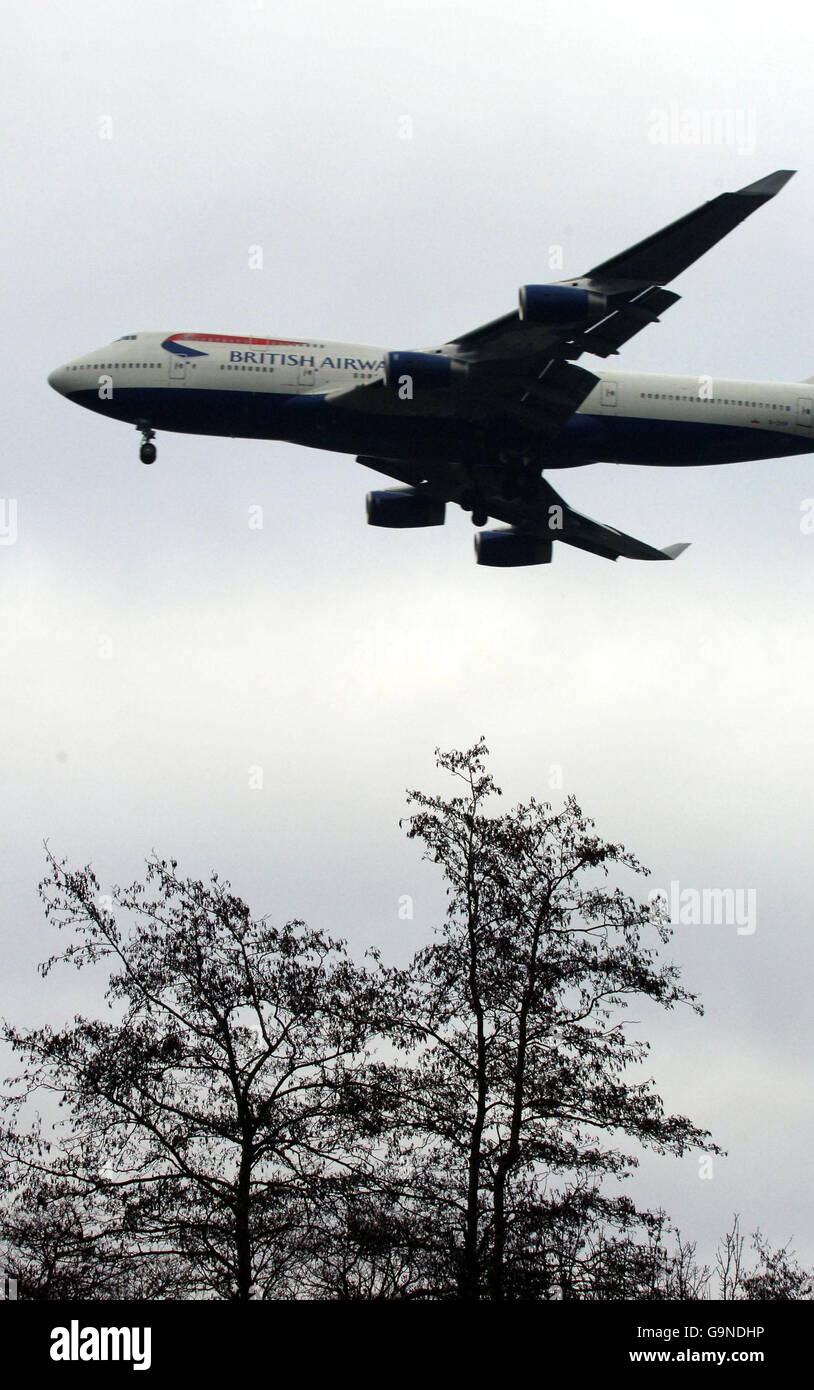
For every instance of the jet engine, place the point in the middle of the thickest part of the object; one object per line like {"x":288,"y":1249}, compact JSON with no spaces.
{"x":403,"y":506}
{"x":560,"y":304}
{"x":427,"y":371}
{"x":507,"y":549}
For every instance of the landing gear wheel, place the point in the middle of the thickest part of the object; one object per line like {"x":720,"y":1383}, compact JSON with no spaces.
{"x":471,"y":501}
{"x":148,"y":452}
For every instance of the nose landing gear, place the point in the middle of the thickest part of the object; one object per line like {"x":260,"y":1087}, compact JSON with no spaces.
{"x":148,"y":452}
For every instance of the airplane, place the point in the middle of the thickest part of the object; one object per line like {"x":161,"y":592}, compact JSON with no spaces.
{"x":478,"y":420}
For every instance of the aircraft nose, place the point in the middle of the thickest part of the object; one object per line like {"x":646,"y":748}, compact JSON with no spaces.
{"x":58,"y":378}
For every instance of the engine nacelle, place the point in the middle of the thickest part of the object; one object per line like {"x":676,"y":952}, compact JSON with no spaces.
{"x":403,"y":506}
{"x":425,"y":371}
{"x":508,"y":549}
{"x":560,"y":304}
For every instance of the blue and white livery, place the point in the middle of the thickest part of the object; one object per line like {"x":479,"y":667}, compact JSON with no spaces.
{"x":480,"y":419}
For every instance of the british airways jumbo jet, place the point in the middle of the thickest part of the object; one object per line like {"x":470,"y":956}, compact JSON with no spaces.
{"x":477,"y":420}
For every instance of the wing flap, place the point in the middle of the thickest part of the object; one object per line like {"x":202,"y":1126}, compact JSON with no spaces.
{"x":544,"y":401}
{"x":617,"y":328}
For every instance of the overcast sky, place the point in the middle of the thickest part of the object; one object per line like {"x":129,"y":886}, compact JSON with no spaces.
{"x":405,"y":169}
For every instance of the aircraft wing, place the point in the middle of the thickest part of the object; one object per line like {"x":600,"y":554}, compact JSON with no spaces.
{"x":631,"y":283}
{"x":522,"y":366}
{"x":555,"y":520}
{"x":547,"y":518}
{"x":542,"y":399}
{"x":517,"y":368}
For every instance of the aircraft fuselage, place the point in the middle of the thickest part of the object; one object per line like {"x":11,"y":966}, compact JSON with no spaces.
{"x":262,"y":388}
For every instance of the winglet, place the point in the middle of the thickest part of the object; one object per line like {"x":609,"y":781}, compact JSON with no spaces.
{"x":768,"y":186}
{"x":672,"y":552}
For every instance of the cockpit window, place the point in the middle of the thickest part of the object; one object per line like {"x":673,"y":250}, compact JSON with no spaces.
{"x":128,"y":338}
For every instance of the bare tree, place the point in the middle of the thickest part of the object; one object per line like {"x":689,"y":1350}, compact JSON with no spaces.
{"x":776,"y":1276}
{"x":515,"y":1070}
{"x":62,"y":1241}
{"x":729,"y":1260}
{"x":203,"y":1116}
